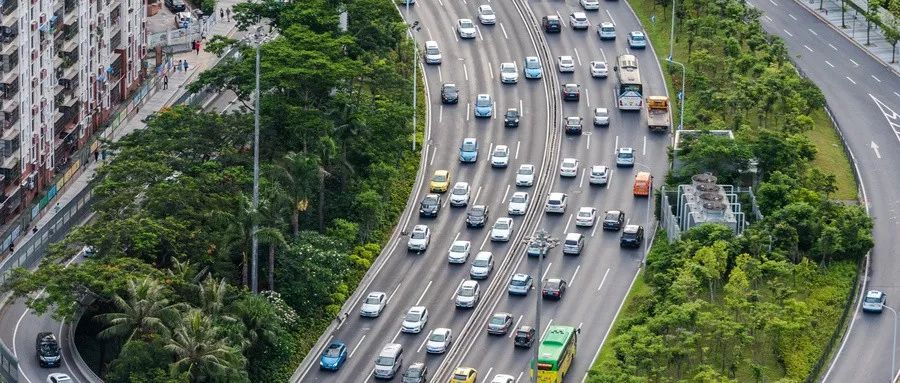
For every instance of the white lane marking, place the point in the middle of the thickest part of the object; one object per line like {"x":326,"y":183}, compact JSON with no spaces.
{"x":455,"y":36}
{"x":609,"y":179}
{"x":511,"y":333}
{"x":440,"y":74}
{"x":394,"y":339}
{"x":627,"y":51}
{"x":587,"y":96}
{"x":608,"y":330}
{"x":560,"y":19}
{"x":491,"y":70}
{"x":581,"y":183}
{"x":773,"y":2}
{"x":356,"y":347}
{"x":617,"y":143}
{"x":478,"y":193}
{"x":876,"y":78}
{"x":543,"y":277}
{"x":446,"y":201}
{"x":453,"y":295}
{"x":422,"y":345}
{"x":575,"y":274}
{"x":578,"y":56}
{"x":812,"y":31}
{"x":506,"y":193}
{"x":480,"y":36}
{"x":433,"y":152}
{"x":442,"y":3}
{"x":786,"y":31}
{"x":521,"y":110}
{"x":589,"y":142}
{"x":898,"y":94}
{"x":428,"y":286}
{"x":594,"y":231}
{"x":603,"y":279}
{"x":769,"y":19}
{"x":603,"y":54}
{"x":851,"y":80}
{"x":494,"y":109}
{"x":504,"y":31}
{"x":644,"y":150}
{"x":543,"y":334}
{"x":893,"y":118}
{"x":489,"y":371}
{"x":832,"y":46}
{"x":465,"y":71}
{"x":829,"y":64}
{"x":468,"y":112}
{"x":807,"y":48}
{"x":517,"y":149}
{"x":520,"y":376}
{"x":792,"y":16}
{"x":569,"y":221}
{"x":390,"y":297}
{"x":491,"y":148}
{"x":874,"y":147}
{"x":610,"y":17}
{"x":485,"y":241}
{"x":854,"y":62}
{"x":456,"y":237}
{"x":441,"y":113}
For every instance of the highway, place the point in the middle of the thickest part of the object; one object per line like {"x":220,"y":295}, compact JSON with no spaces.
{"x":864,"y":96}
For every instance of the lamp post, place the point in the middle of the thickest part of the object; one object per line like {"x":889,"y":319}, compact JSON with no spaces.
{"x":672,"y":33}
{"x":257,"y":39}
{"x":894,"y":347}
{"x":415,"y":75}
{"x":543,"y":239}
{"x":683,"y":94}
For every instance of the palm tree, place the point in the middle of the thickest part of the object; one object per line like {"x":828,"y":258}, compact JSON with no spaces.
{"x":273,"y":238}
{"x":145,"y":311}
{"x":258,"y":317}
{"x":295,"y":175}
{"x":200,"y":350}
{"x":213,"y":298}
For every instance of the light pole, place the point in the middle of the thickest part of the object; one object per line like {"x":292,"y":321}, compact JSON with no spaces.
{"x":543,"y":239}
{"x":415,"y":75}
{"x":683,"y":94}
{"x":672,"y":33}
{"x":894,"y":347}
{"x":257,"y":40}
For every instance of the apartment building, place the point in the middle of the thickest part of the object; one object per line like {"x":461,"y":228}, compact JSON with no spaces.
{"x":66,"y":64}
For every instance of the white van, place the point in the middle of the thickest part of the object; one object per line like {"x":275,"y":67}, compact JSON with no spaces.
{"x":432,"y":53}
{"x":389,"y":361}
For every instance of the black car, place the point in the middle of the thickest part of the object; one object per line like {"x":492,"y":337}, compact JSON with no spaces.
{"x":477,"y":216}
{"x":524,"y":336}
{"x":449,"y":94}
{"x":551,"y":24}
{"x":48,"y":350}
{"x":416,"y":373}
{"x":613,"y":220}
{"x":632,"y":236}
{"x":176,"y":5}
{"x":573,"y":125}
{"x":554,"y":288}
{"x":430,"y":205}
{"x":571,"y":92}
{"x":511,"y":119}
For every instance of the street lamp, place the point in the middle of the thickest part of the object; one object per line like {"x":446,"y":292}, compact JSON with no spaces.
{"x":415,"y":74}
{"x":894,"y":347}
{"x":672,"y":34}
{"x":257,"y":39}
{"x":543,"y":239}
{"x":682,"y":94}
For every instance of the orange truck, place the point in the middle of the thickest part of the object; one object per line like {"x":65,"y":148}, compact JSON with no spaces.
{"x":643,"y":184}
{"x":658,"y":113}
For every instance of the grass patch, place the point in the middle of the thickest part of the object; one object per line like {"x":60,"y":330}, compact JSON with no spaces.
{"x":831,"y":157}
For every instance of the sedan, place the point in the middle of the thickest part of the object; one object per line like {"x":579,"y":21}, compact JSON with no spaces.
{"x":613,"y":220}
{"x":599,"y":175}
{"x":373,"y":304}
{"x":601,"y":117}
{"x":415,"y":320}
{"x":484,"y":106}
{"x":459,"y":195}
{"x":573,"y":125}
{"x":511,"y":118}
{"x":509,"y":73}
{"x":465,"y":28}
{"x":459,"y":252}
{"x":503,"y":378}
{"x":625,"y":157}
{"x":419,"y":238}
{"x":578,"y":20}
{"x":554,"y":288}
{"x":477,"y":216}
{"x":518,"y":203}
{"x":632,"y":236}
{"x":571,"y":92}
{"x":586,"y":217}
{"x":58,"y":377}
{"x":333,"y":356}
{"x":502,"y":229}
{"x":607,"y":31}
{"x":439,"y":341}
{"x":500,"y":157}
{"x":519,"y":284}
{"x":874,"y":301}
{"x":525,"y":175}
{"x":440,"y":181}
{"x":468,"y":150}
{"x":590,"y":5}
{"x":430,"y":205}
{"x":599,"y":69}
{"x":416,"y":373}
{"x":467,"y":294}
{"x":533,"y":67}
{"x":486,"y":15}
{"x":464,"y":375}
{"x":637,"y":40}
{"x":568,"y":167}
{"x":566,"y":64}
{"x":449,"y":93}
{"x":482,"y":265}
{"x":500,"y":323}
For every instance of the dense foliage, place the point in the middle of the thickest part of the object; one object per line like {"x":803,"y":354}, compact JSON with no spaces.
{"x":173,"y":211}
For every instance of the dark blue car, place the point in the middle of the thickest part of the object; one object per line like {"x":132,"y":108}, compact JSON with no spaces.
{"x":333,"y":356}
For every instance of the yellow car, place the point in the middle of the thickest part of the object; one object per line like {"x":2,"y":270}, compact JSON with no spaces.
{"x":464,"y":375}
{"x":440,"y":181}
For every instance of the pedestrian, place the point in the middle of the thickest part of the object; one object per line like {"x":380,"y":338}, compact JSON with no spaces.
{"x":165,"y":86}
{"x":197,"y":46}
{"x":56,"y":208}
{"x":34,"y":230}
{"x":221,"y":13}
{"x":96,"y":153}
{"x":228,"y":12}
{"x":12,"y":248}
{"x":185,"y":65}
{"x":178,"y":66}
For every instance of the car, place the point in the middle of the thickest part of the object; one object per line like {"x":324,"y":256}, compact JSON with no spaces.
{"x":466,"y":29}
{"x":482,"y":265}
{"x":601,"y":117}
{"x":419,"y":238}
{"x":459,"y":195}
{"x":477,"y":216}
{"x":533,"y":249}
{"x":625,"y":157}
{"x":607,"y":31}
{"x":632,"y":236}
{"x":500,"y":156}
{"x":432,"y":53}
{"x":599,"y":175}
{"x":88,"y":251}
{"x":573,"y":125}
{"x":524,"y":336}
{"x":334,"y":356}
{"x":568,"y":167}
{"x":47,"y":348}
{"x":525,"y":175}
{"x":467,"y":294}
{"x":449,"y":93}
{"x":430,"y":205}
{"x":415,"y":320}
{"x":464,"y":375}
{"x":554,"y":288}
{"x":503,"y":378}
{"x":533,"y":68}
{"x":440,"y":181}
{"x":637,"y":40}
{"x":176,"y":5}
{"x":518,"y":203}
{"x":389,"y":361}
{"x":184,"y":19}
{"x":586,"y":216}
{"x":509,"y":73}
{"x":468,"y":150}
{"x":511,"y":118}
{"x":590,"y":5}
{"x":556,"y":203}
{"x":573,"y":243}
{"x":502,"y":229}
{"x":578,"y":20}
{"x":599,"y":69}
{"x":565,"y":64}
{"x":499,"y":323}
{"x":58,"y":377}
{"x":874,"y":301}
{"x":484,"y":106}
{"x":551,"y":24}
{"x":439,"y":340}
{"x":415,"y":373}
{"x":519,"y":284}
{"x":459,"y":252}
{"x":613,"y":220}
{"x":486,"y":15}
{"x":373,"y":305}
{"x":571,"y":92}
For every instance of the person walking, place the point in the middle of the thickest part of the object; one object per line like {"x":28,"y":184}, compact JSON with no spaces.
{"x":197,"y":46}
{"x":56,"y":208}
{"x":165,"y":83}
{"x":165,"y":86}
{"x":228,"y":12}
{"x":221,"y":13}
{"x":185,"y":65}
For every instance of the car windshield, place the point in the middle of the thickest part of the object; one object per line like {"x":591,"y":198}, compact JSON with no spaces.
{"x":501,"y":226}
{"x":332,"y":352}
{"x":611,"y":217}
{"x":553,"y":284}
{"x":637,"y":37}
{"x":480,"y":262}
{"x":468,"y":146}
{"x":526,"y":171}
{"x":498,"y":320}
{"x":437,"y":337}
{"x":432,"y":51}
{"x":518,"y":282}
{"x":571,"y":242}
{"x":553,"y":202}
{"x":429,"y":201}
{"x":458,"y":248}
{"x":467,"y":292}
{"x":413,"y":373}
{"x":584,"y":214}
{"x":626,"y":155}
{"x":518,"y":199}
{"x":373,"y":300}
{"x":571,"y":88}
{"x":573,"y":121}
{"x":439,"y":178}
{"x":418,"y":235}
{"x":873,"y":300}
{"x":487,"y":11}
{"x":483,"y":101}
{"x":499,"y":153}
{"x":466,"y":24}
{"x":568,"y":165}
{"x":385,"y":361}
{"x":533,"y":64}
{"x":629,"y":235}
{"x":413,"y":316}
{"x":566,"y":61}
{"x":580,"y":18}
{"x":460,"y":376}
{"x":476,"y":212}
{"x":608,"y":29}
{"x":508,"y":69}
{"x":512,"y":114}
{"x":459,"y":191}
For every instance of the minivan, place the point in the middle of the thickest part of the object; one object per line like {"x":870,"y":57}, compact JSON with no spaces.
{"x":432,"y":53}
{"x":573,"y":244}
{"x":389,"y":361}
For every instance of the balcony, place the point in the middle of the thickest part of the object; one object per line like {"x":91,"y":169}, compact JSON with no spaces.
{"x":9,"y":142}
{"x":116,"y":39}
{"x":69,"y":74}
{"x":70,"y":19}
{"x":8,"y":14}
{"x":69,"y":45}
{"x":69,"y":6}
{"x":11,"y":161}
{"x":10,"y":73}
{"x":10,"y":47}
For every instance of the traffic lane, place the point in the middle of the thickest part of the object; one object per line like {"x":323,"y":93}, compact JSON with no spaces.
{"x":28,"y":325}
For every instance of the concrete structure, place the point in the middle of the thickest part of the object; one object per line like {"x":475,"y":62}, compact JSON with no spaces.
{"x":66,"y":64}
{"x":704,"y":201}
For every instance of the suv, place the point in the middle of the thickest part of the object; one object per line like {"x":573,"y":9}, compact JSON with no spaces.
{"x":48,"y":350}
{"x":599,"y":175}
{"x":419,"y":238}
{"x":874,"y":302}
{"x":467,"y":294}
{"x":632,"y":236}
{"x":573,"y":244}
{"x":607,"y":31}
{"x":551,"y":24}
{"x":613,"y":220}
{"x":556,"y":203}
{"x":578,"y":20}
{"x":511,"y":119}
{"x":524,"y":336}
{"x":573,"y":125}
{"x":625,"y":157}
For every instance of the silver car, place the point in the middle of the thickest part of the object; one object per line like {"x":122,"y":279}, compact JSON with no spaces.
{"x":373,"y":304}
{"x":601,"y":117}
{"x":459,"y":195}
{"x":415,"y":320}
{"x":519,"y":284}
{"x":599,"y":175}
{"x":482,"y":265}
{"x":467,"y":294}
{"x":459,"y":252}
{"x":518,"y":204}
{"x":500,"y":157}
{"x":625,"y":157}
{"x":502,"y":229}
{"x":419,"y":238}
{"x":566,"y":64}
{"x":509,"y":73}
{"x":465,"y":28}
{"x":525,"y":175}
{"x":439,"y":340}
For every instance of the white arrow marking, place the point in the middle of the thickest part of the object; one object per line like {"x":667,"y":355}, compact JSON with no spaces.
{"x":875,"y":148}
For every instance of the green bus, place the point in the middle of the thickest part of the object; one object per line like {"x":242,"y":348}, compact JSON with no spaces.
{"x":555,"y":353}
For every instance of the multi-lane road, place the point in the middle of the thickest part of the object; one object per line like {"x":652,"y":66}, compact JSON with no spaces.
{"x":600,"y":277}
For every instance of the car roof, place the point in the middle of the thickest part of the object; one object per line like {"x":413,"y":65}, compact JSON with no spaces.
{"x":484,"y":95}
{"x":391,"y":347}
{"x":569,"y":160}
{"x":573,"y":236}
{"x":470,"y":140}
{"x":501,"y":147}
{"x":441,"y":330}
{"x":625,"y":150}
{"x":520,"y":276}
{"x":552,"y":17}
{"x":526,"y":166}
{"x":376,"y":293}
{"x":557,"y":195}
{"x":484,"y":254}
{"x":631,"y":228}
{"x":461,"y":242}
{"x":461,"y":184}
{"x":586,"y":208}
{"x":599,"y":168}
{"x":470,"y":283}
{"x":417,"y":309}
{"x":874,"y":294}
{"x":607,"y":24}
{"x":616,"y":212}
{"x":336,"y":343}
{"x":441,"y":171}
{"x":420,"y":228}
{"x":520,"y":193}
{"x":577,"y":14}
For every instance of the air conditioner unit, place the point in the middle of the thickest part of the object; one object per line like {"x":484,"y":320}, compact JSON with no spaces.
{"x":29,"y":181}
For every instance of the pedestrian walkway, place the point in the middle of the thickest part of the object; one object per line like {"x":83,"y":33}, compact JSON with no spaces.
{"x":853,"y":25}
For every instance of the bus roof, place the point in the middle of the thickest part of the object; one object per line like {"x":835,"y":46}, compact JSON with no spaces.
{"x":554,"y":343}
{"x":627,"y":61}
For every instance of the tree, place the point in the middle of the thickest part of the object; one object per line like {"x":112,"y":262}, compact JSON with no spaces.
{"x":722,"y":156}
{"x":143,"y":361}
{"x":200,"y":351}
{"x":145,"y":311}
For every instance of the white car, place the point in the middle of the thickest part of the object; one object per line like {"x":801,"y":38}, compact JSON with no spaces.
{"x":556,"y":203}
{"x":578,"y":20}
{"x":373,"y":304}
{"x":599,"y":175}
{"x":637,"y":40}
{"x":586,"y":217}
{"x":58,"y":377}
{"x":459,"y":252}
{"x":566,"y":64}
{"x":419,"y":238}
{"x":466,"y":29}
{"x":486,"y":15}
{"x":500,"y":156}
{"x":502,"y":229}
{"x":607,"y":31}
{"x":590,"y":5}
{"x":503,"y":378}
{"x":599,"y":69}
{"x":439,"y":340}
{"x":518,"y":204}
{"x":432,"y":53}
{"x":459,"y":195}
{"x":482,"y":265}
{"x":568,"y":168}
{"x":625,"y":157}
{"x":509,"y":73}
{"x":601,"y":116}
{"x":525,"y":175}
{"x":415,"y":320}
{"x":467,"y":294}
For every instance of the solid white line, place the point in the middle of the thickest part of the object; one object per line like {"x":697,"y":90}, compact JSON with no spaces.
{"x":610,"y":17}
{"x":486,"y":237}
{"x":786,"y":31}
{"x":589,"y":142}
{"x":577,"y":56}
{"x":519,"y":377}
{"x":832,"y":46}
{"x":594,"y":231}
{"x":792,"y":16}
{"x":769,"y":19}
{"x":356,"y":347}
{"x":587,"y":96}
{"x":617,"y":143}
{"x":627,"y":51}
{"x":575,"y":274}
{"x":569,"y":221}
{"x":465,"y":72}
{"x":504,"y":31}
{"x":829,"y":64}
{"x":854,"y":62}
{"x":394,"y":339}
{"x":851,"y":80}
{"x":441,"y":113}
{"x":491,"y":70}
{"x":603,"y":279}
{"x":453,"y":295}
{"x":898,"y":94}
{"x":480,"y":36}
{"x":603,"y":54}
{"x":440,"y":74}
{"x":489,"y":371}
{"x":506,"y":193}
{"x":543,"y":277}
{"x":594,"y":360}
{"x":807,"y":48}
{"x":423,"y":293}
{"x":543,"y":334}
{"x":433,"y":152}
{"x":453,"y":32}
{"x":468,"y":112}
{"x":609,"y":180}
{"x":521,"y":110}
{"x":478,"y":193}
{"x":581,"y":183}
{"x":517,"y":149}
{"x":561,"y":23}
{"x":491,"y":148}
{"x":422,"y":345}
{"x":442,"y":3}
{"x":876,"y":78}
{"x":644,"y":150}
{"x":456,"y":237}
{"x":494,"y":107}
{"x":812,"y":31}
{"x":511,"y":333}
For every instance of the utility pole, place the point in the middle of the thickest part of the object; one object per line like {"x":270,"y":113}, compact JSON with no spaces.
{"x":543,"y":239}
{"x":672,"y":33}
{"x":683,"y":92}
{"x":415,"y":62}
{"x":254,"y":261}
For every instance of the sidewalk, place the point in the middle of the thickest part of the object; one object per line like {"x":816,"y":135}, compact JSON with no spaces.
{"x":855,"y":29}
